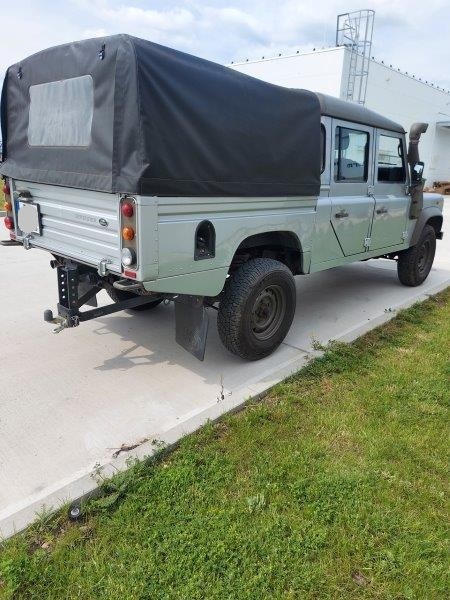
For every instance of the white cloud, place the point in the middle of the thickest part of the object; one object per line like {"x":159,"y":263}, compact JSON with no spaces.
{"x":174,"y":20}
{"x":411,"y":36}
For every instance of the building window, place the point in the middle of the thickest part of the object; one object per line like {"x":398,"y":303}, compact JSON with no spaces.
{"x":391,"y":163}
{"x":351,"y":155}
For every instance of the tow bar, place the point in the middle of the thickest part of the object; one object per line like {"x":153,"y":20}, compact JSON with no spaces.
{"x":79,"y":285}
{"x":70,"y":283}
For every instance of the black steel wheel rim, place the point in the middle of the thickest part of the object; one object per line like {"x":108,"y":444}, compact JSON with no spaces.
{"x":424,"y":255}
{"x":268,"y":312}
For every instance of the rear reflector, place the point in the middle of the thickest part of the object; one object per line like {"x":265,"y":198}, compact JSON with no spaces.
{"x":127,"y":209}
{"x":9,"y":222}
{"x":131,"y":274}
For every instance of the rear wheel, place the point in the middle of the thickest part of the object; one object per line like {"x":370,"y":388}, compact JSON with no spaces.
{"x":257,"y":308}
{"x":120,"y":295}
{"x":415,"y":263}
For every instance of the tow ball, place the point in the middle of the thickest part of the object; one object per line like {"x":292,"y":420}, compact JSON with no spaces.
{"x":62,"y":322}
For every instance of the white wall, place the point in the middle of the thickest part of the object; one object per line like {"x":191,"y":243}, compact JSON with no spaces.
{"x":319,"y":71}
{"x":389,"y":92}
{"x":440,"y":159}
{"x":406,"y":100}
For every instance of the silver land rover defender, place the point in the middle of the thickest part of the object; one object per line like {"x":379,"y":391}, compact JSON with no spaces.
{"x":156,"y":175}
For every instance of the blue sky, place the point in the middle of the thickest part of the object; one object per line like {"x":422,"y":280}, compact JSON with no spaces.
{"x":411,"y":35}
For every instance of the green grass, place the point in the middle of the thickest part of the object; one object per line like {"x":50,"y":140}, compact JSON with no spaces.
{"x":334,"y":486}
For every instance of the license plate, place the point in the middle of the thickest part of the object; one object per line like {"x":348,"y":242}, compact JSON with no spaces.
{"x":28,"y":218}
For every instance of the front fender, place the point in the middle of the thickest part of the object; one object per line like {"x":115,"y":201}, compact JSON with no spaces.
{"x":426,"y":214}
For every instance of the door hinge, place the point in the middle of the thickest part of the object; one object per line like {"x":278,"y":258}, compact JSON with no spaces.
{"x":370,"y":190}
{"x":404,"y":235}
{"x":367,"y":242}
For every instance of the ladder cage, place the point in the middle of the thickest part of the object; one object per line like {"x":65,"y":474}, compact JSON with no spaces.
{"x":354,"y":31}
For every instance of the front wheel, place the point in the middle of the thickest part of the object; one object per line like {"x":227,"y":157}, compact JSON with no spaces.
{"x":257,"y":308}
{"x":415,"y":263}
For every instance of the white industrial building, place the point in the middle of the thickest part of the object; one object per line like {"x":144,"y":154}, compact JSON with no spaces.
{"x":395,"y":94}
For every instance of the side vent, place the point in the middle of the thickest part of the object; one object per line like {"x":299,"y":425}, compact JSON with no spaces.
{"x":205,"y":241}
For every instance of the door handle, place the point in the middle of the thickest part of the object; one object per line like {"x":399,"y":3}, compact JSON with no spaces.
{"x":342,"y":214}
{"x":382,"y":211}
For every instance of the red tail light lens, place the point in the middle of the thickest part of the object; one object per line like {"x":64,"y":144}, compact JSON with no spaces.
{"x":127,"y":209}
{"x":9,"y":222}
{"x":6,"y":189}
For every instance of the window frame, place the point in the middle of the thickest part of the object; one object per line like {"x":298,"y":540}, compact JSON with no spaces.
{"x":323,"y":154}
{"x":350,"y":127}
{"x":38,"y":118}
{"x":398,"y":136}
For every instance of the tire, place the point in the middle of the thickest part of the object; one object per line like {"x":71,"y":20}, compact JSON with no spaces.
{"x":119,"y":295}
{"x":414,"y":264}
{"x":257,"y":308}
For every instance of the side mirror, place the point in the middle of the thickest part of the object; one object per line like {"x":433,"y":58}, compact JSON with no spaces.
{"x":417,"y":172}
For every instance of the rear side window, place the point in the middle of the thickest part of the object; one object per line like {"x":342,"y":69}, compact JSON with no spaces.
{"x":61,"y":112}
{"x":391,"y":163}
{"x":351,"y":152}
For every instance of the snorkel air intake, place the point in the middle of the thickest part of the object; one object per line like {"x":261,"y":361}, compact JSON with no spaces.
{"x":416,"y":169}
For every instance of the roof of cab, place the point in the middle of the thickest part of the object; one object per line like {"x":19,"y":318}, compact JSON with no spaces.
{"x":356,"y":113}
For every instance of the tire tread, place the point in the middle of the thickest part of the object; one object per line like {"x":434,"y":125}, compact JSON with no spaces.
{"x":232,"y":305}
{"x":407,"y":260}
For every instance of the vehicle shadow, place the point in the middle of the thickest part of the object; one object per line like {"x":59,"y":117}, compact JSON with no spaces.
{"x":329,"y":303}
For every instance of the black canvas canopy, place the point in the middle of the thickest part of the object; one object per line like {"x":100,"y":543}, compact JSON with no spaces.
{"x":121,"y":114}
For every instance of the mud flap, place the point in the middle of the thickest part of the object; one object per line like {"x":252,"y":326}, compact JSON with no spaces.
{"x":191,"y":324}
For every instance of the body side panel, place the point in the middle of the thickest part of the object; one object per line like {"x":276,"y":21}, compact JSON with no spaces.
{"x":234,"y":220}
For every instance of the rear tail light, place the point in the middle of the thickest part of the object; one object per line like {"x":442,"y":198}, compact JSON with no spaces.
{"x":128,"y":233}
{"x":127,"y":209}
{"x":7,"y":206}
{"x":6,"y":189}
{"x":9,"y":222}
{"x":129,"y":247}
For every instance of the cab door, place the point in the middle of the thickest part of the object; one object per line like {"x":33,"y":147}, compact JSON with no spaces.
{"x":391,"y":201}
{"x":351,"y":182}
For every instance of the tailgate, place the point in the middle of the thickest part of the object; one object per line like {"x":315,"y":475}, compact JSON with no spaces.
{"x":78,"y":224}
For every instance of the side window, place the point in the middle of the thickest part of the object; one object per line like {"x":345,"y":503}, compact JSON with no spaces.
{"x":351,"y":155}
{"x":322,"y":147}
{"x":390,"y":160}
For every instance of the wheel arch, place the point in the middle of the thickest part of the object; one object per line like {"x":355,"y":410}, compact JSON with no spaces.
{"x":281,"y":245}
{"x":430,"y":215}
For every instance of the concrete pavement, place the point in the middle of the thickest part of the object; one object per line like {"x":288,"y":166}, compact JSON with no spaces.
{"x":68,"y":401}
